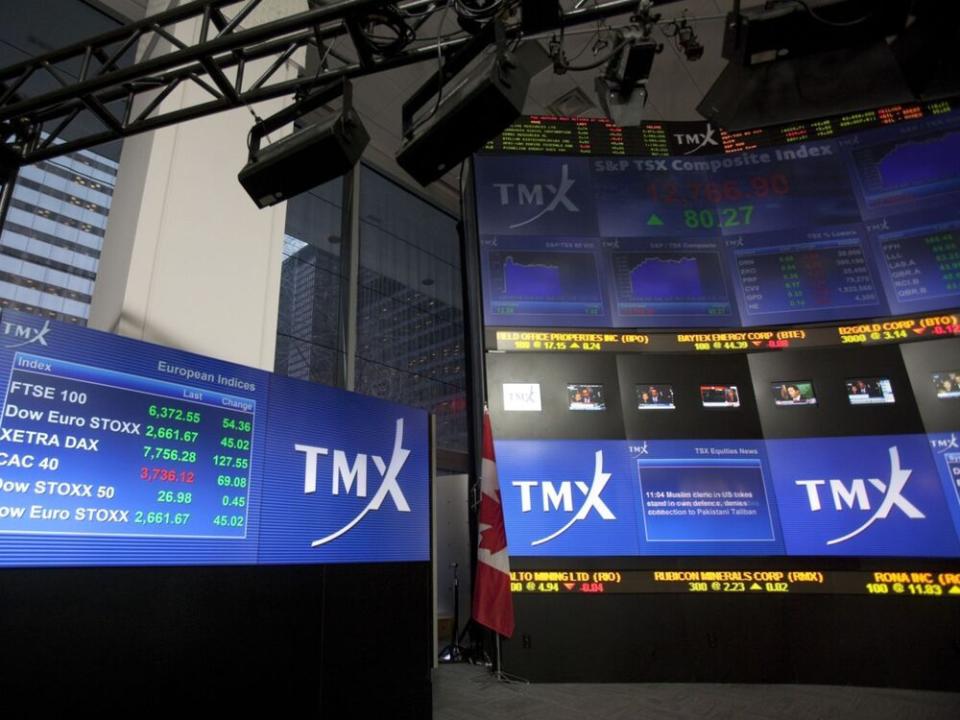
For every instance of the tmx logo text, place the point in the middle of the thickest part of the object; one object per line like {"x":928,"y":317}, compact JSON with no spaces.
{"x":26,"y":334}
{"x":560,"y":496}
{"x":354,"y":477}
{"x":856,"y":494}
{"x":533,"y":195}
{"x":698,"y":140}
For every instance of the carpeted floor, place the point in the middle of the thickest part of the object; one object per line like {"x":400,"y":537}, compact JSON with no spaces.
{"x":469,"y":692}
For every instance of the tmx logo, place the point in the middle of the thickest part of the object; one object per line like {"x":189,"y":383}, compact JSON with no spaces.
{"x":856,"y":494}
{"x":533,"y":195}
{"x":25,"y":334}
{"x":354,"y":477}
{"x":560,"y":496}
{"x":698,"y":140}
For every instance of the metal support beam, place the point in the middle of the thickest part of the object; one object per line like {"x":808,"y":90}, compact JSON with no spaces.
{"x":127,"y":100}
{"x":6,"y":195}
{"x":349,"y":280}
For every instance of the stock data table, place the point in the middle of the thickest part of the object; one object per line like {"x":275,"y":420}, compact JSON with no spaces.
{"x":89,"y":451}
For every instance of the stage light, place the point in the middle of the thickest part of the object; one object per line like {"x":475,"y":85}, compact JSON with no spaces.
{"x":307,"y":158}
{"x":483,"y":91}
{"x":689,"y":42}
{"x":473,"y":15}
{"x":803,"y":59}
{"x":621,"y":89}
{"x":926,"y":50}
{"x":784,"y":30}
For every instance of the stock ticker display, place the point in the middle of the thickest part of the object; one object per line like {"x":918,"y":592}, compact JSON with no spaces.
{"x":856,"y":334}
{"x":884,"y":583}
{"x":680,"y":237}
{"x":583,"y":224}
{"x":119,"y":452}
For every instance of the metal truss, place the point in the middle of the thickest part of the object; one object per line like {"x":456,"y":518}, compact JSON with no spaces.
{"x":97,"y":80}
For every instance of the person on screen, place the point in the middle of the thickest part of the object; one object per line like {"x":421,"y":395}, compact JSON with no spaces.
{"x":644,"y":398}
{"x":794,"y":394}
{"x":784,"y":395}
{"x":730,"y":396}
{"x":655,"y":395}
{"x":946,"y":386}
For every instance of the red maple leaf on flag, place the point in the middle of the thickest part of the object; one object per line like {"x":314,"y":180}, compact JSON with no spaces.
{"x":493,"y":537}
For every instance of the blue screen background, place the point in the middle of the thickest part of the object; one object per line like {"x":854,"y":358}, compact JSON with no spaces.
{"x":733,"y":497}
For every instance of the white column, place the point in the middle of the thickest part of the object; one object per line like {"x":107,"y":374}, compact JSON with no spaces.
{"x":188,"y":260}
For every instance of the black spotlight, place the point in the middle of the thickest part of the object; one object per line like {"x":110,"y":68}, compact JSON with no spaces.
{"x":483,"y":90}
{"x":796,"y":61}
{"x":689,"y":42}
{"x":307,"y":158}
{"x":622,"y":88}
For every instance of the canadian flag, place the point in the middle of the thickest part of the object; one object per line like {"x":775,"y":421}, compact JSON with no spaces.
{"x":492,"y":602}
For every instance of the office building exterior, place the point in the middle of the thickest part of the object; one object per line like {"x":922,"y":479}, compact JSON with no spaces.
{"x":53,"y":235}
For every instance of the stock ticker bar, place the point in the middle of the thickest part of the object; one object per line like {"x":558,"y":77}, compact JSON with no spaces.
{"x":879,"y":332}
{"x":903,"y":583}
{"x":599,"y":136}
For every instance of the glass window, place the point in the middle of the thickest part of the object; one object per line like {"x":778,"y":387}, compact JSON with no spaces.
{"x":410,"y":335}
{"x":309,"y":314}
{"x":50,"y":240}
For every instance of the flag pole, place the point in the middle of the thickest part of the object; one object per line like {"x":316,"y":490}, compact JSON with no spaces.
{"x":498,"y":672}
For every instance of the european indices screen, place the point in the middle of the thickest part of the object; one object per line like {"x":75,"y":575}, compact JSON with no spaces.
{"x":860,"y":225}
{"x":883,"y":496}
{"x":119,"y":452}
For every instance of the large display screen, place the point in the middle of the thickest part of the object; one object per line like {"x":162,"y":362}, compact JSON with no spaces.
{"x":889,"y":496}
{"x":119,"y":452}
{"x":860,"y":225}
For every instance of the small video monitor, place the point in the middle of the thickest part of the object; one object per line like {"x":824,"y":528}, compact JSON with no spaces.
{"x":792,"y":393}
{"x":586,"y":397}
{"x":719,"y":396}
{"x":655,"y":397}
{"x":947,"y":384}
{"x":870,"y":391}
